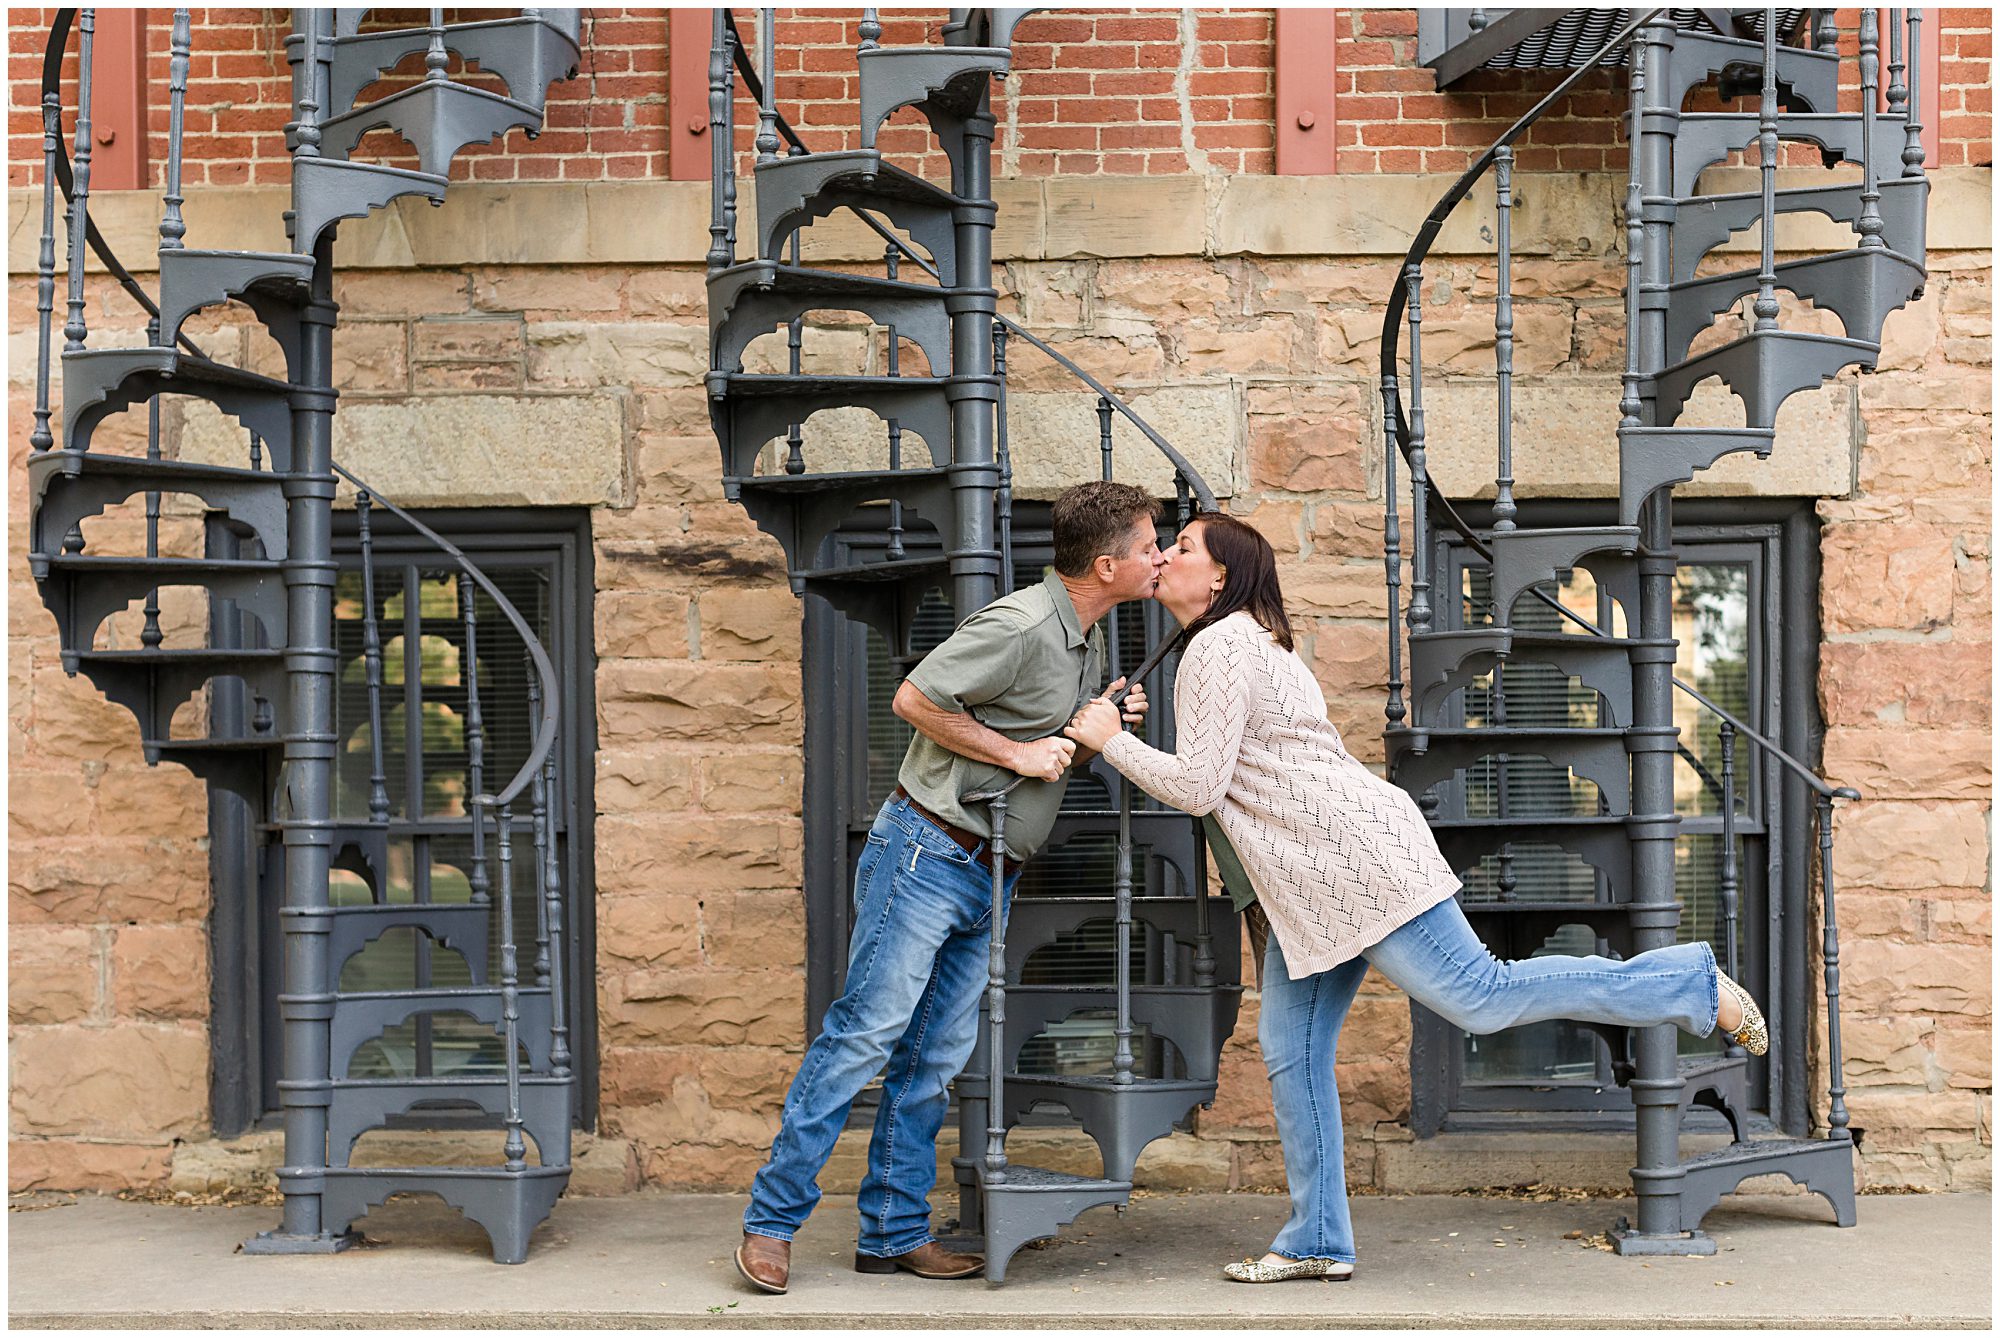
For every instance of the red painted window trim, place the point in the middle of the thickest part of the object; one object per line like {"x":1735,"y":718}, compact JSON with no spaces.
{"x":688,"y":33}
{"x":1304,"y":55}
{"x":118,"y":101}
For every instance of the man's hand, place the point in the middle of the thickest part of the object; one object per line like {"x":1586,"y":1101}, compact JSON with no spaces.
{"x":1044,"y":759}
{"x":1135,"y":703}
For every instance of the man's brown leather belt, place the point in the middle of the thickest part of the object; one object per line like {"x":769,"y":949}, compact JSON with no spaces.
{"x":971,"y":842}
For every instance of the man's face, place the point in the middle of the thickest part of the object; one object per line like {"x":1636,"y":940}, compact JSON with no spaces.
{"x":1137,"y":574}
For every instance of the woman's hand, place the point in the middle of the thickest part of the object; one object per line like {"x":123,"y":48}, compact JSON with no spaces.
{"x":1093,"y":726}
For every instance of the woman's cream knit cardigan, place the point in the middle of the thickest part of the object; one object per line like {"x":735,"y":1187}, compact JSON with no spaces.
{"x":1338,"y":856}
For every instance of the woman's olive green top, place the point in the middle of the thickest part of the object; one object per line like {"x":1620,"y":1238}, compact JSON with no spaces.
{"x":1234,"y":880}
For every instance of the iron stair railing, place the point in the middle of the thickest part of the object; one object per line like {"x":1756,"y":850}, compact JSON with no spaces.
{"x":1673,"y":1197}
{"x":271,"y":631}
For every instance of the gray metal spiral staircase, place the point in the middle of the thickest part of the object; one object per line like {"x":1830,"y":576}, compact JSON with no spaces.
{"x":1184,"y":940}
{"x":1786,"y":61}
{"x":270,"y":656}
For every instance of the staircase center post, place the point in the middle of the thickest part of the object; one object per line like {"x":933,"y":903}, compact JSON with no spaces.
{"x":304,"y":804}
{"x":305,"y":801}
{"x":972,"y":390}
{"x":1656,"y":1087}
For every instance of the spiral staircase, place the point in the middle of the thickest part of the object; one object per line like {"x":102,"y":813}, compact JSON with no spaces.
{"x":1787,"y":61}
{"x":269,"y":650}
{"x":936,"y":293}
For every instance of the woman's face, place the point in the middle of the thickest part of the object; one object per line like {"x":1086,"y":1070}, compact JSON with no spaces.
{"x":1191,"y":576}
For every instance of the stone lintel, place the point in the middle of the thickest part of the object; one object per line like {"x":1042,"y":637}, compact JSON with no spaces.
{"x":666,"y":222}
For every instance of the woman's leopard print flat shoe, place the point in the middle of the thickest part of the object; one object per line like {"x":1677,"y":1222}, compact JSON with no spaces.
{"x":1752,"y":1034}
{"x":1255,"y":1270}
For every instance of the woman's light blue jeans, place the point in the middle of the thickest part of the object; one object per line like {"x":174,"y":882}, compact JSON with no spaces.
{"x":1437,"y":960}
{"x":916,"y":965}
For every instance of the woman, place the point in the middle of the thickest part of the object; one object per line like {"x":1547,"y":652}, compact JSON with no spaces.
{"x":1348,"y":874}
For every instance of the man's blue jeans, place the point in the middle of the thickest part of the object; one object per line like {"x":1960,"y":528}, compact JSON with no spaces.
{"x":1437,"y":960}
{"x":916,"y":964}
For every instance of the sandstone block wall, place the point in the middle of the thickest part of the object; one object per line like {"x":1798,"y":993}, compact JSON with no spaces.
{"x":555,"y":333}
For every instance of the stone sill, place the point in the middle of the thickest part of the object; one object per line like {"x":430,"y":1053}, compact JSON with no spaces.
{"x":1055,"y":218}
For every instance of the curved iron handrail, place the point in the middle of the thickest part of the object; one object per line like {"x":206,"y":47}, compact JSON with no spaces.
{"x":1433,"y":224}
{"x":545,"y":732}
{"x":52,"y":59}
{"x":1399,"y":428}
{"x":754,"y":86}
{"x":1196,"y":482}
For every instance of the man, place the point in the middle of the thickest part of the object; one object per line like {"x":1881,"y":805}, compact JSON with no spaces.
{"x":988,"y":704}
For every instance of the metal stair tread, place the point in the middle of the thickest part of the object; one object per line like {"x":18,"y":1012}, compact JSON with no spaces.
{"x":1757,"y":336}
{"x":522,"y":20}
{"x":372,"y":169}
{"x":1136,"y":988}
{"x":1760,"y":1148}
{"x":86,"y":563}
{"x":1092,"y":1082}
{"x":1691,"y":1067}
{"x":444,"y":1084}
{"x":179,"y":366}
{"x":429,"y":992}
{"x":1545,"y":640}
{"x":1039,"y":1179}
{"x":247,"y":743}
{"x":878,"y":571}
{"x":811,"y":483}
{"x":1723,"y":278}
{"x":809,"y":279}
{"x":291,"y":260}
{"x":530,"y":1171}
{"x":782,"y":383}
{"x":71,"y":462}
{"x":1506,"y":731}
{"x":1796,"y":194}
{"x":1493,"y":907}
{"x":1564,"y":820}
{"x":1606,"y":531}
{"x":872,"y":174}
{"x":176,"y":655}
{"x":429,"y":86}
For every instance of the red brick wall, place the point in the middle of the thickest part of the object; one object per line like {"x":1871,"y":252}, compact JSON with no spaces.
{"x":1111,"y":91}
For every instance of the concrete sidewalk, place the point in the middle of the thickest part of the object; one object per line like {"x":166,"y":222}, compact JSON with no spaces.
{"x":662,"y":1260}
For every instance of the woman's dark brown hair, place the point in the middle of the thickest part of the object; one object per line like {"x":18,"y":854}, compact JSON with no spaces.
{"x":1249,"y":577}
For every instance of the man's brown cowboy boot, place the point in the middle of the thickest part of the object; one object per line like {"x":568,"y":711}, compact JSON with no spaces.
{"x":930,"y":1260}
{"x":766,"y":1262}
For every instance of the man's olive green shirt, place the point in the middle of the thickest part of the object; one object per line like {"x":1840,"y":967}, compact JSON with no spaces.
{"x":1021,"y":666}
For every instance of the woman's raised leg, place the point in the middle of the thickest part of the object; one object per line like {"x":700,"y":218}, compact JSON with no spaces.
{"x":1439,"y":961}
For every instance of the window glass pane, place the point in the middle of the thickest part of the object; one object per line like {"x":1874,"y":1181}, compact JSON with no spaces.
{"x":1711,"y":622}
